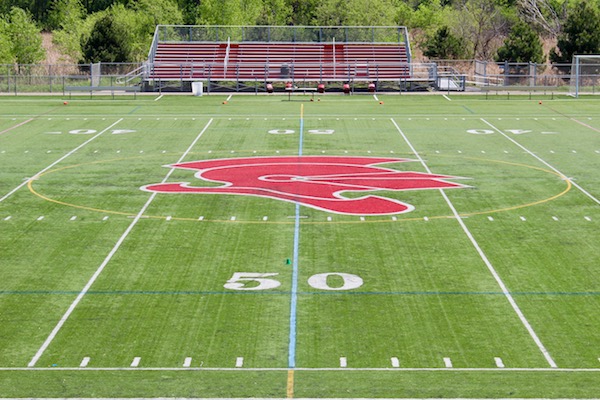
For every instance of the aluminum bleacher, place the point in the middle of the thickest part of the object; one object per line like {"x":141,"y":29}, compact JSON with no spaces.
{"x":272,"y":54}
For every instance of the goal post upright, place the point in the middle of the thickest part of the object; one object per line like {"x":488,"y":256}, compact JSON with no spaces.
{"x":585,"y":74}
{"x":576,"y":67}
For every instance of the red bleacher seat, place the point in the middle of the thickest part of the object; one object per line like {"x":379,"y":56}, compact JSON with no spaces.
{"x":279,"y":61}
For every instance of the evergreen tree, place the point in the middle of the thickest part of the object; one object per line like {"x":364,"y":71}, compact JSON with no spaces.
{"x":522,"y":45}
{"x":580,"y":35}
{"x":106,"y":43}
{"x":443,"y":45}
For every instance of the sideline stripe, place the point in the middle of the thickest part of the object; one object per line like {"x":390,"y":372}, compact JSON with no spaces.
{"x":543,"y":161}
{"x":294,"y":296}
{"x":110,"y":255}
{"x":485,"y":260}
{"x":6,"y":196}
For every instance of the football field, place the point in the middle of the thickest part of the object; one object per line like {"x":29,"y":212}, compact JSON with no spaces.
{"x":241,"y":246}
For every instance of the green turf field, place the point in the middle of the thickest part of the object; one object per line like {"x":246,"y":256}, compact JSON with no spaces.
{"x":488,"y":289}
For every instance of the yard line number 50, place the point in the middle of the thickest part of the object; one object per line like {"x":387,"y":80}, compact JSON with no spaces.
{"x":264,"y":281}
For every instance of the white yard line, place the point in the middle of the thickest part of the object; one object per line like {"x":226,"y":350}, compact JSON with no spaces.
{"x":446,"y":97}
{"x":159,"y":97}
{"x":110,"y":255}
{"x":585,"y":192}
{"x":6,"y":196}
{"x":486,"y":261}
{"x":389,"y":369}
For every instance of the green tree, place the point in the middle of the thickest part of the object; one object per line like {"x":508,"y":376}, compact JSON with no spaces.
{"x":303,"y":12}
{"x":428,"y":15}
{"x":67,"y":18}
{"x":64,"y":14}
{"x":332,"y":13}
{"x":371,"y":12}
{"x":522,"y":45}
{"x":444,"y":45}
{"x":229,"y":12}
{"x":140,"y":18}
{"x":189,"y":10}
{"x":6,"y":54}
{"x":581,"y":33}
{"x":356,"y":12}
{"x":274,"y":12}
{"x":106,"y":43}
{"x":93,"y":6}
{"x":25,"y":37}
{"x":155,"y":12}
{"x":479,"y":23}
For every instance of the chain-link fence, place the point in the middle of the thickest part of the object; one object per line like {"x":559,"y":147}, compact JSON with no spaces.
{"x":55,"y":78}
{"x":472,"y":75}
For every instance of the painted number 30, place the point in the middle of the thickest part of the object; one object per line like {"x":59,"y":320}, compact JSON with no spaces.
{"x":264,"y":281}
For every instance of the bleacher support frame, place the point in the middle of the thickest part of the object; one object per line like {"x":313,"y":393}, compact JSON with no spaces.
{"x":240,"y":57}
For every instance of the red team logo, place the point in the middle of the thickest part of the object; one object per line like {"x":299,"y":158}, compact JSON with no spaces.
{"x":313,"y":181}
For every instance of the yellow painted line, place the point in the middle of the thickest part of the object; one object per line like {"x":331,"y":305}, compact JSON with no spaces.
{"x":290,"y":384}
{"x":16,"y":126}
{"x":388,"y":219}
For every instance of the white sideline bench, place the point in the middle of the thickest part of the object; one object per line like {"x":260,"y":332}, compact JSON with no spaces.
{"x":515,"y":88}
{"x":111,"y":89}
{"x":291,"y":90}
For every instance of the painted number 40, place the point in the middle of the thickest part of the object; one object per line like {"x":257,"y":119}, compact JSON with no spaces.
{"x":264,"y":281}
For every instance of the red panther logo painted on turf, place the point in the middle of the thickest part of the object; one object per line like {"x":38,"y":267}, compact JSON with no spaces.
{"x":314,"y":181}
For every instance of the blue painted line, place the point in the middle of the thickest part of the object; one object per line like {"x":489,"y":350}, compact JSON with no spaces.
{"x":294,"y":294}
{"x":469,"y":110}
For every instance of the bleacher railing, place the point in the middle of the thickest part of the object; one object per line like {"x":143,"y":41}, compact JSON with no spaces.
{"x":282,"y":34}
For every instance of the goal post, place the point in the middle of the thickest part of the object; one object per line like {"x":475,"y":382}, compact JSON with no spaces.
{"x":96,"y":74}
{"x":585,"y":75}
